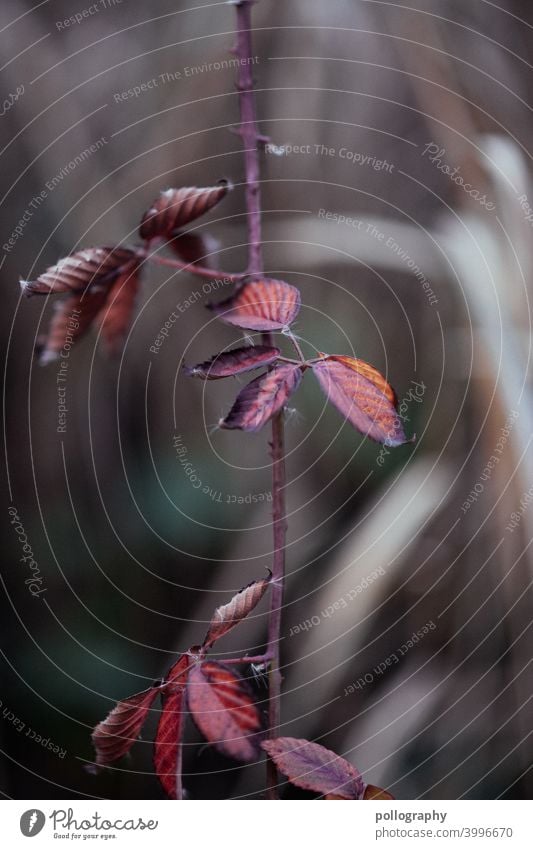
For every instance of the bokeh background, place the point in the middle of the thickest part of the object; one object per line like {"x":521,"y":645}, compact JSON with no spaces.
{"x":403,"y":98}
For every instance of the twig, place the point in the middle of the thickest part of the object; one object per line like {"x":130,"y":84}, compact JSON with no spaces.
{"x":251,"y":140}
{"x":191,"y":268}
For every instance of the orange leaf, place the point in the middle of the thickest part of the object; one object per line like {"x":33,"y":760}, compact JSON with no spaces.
{"x":260,"y":305}
{"x":363,"y":396}
{"x":375,"y":793}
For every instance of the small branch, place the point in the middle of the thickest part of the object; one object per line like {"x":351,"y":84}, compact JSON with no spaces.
{"x":249,"y":132}
{"x":191,"y":268}
{"x":250,"y":136}
{"x":258,"y":658}
{"x":295,"y":344}
{"x":278,"y":581}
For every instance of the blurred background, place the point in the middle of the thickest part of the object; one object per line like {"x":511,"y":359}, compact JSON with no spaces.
{"x":414,"y":122}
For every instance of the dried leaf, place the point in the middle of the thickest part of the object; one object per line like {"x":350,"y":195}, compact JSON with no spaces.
{"x":313,"y":767}
{"x":72,"y":318}
{"x":115,"y":736}
{"x":376,"y":793}
{"x":176,"y":207}
{"x":261,"y":399}
{"x":363,"y":396}
{"x":91,"y":267}
{"x":237,"y":361}
{"x":194,"y":247}
{"x":224,"y":710}
{"x":260,"y":305}
{"x":168,"y":743}
{"x":118,"y":311}
{"x":226,"y":617}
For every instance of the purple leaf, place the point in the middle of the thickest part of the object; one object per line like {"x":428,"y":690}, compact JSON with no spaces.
{"x":263,"y":398}
{"x":237,"y":361}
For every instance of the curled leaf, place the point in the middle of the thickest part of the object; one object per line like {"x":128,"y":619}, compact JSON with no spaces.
{"x":115,"y":736}
{"x":227,"y":616}
{"x":224,"y":710}
{"x":363,"y":396}
{"x":237,"y":361}
{"x":262,"y":305}
{"x":261,"y":399}
{"x":117,"y":313}
{"x":313,"y":767}
{"x":376,"y":793}
{"x":91,"y":267}
{"x":176,"y":207}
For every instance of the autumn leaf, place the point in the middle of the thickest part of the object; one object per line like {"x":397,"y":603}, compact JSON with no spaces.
{"x":376,"y":793}
{"x":261,"y":305}
{"x":72,"y":318}
{"x":91,"y":267}
{"x":227,"y":616}
{"x":115,"y":736}
{"x":224,"y":710}
{"x":261,"y":399}
{"x":116,"y":315}
{"x":176,"y":207}
{"x":176,"y":677}
{"x":168,"y":743}
{"x":193,"y":248}
{"x":236,"y":361}
{"x":363,"y":396}
{"x":313,"y":767}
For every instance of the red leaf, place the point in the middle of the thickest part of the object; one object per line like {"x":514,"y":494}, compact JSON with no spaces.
{"x":92,"y":267}
{"x":176,"y":207}
{"x":226,"y":617}
{"x":194,"y":247}
{"x":376,"y":793}
{"x":263,"y":398}
{"x":237,"y":361}
{"x":117,"y":313}
{"x":115,"y":736}
{"x":261,"y":305}
{"x":168,"y":746}
{"x":224,"y":710}
{"x":315,"y":768}
{"x":363,"y":396}
{"x":176,"y":677}
{"x":72,"y":318}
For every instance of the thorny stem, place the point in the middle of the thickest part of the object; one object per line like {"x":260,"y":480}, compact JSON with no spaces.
{"x":251,"y":140}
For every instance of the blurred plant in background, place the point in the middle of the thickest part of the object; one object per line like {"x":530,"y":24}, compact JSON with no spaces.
{"x":371,"y":230}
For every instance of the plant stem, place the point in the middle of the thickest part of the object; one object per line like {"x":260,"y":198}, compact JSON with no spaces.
{"x":199,"y":270}
{"x":250,"y":136}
